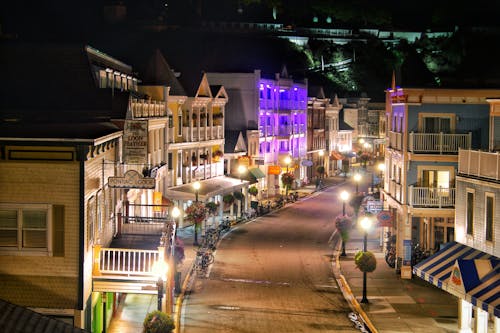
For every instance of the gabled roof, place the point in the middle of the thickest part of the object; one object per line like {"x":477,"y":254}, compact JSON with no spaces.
{"x":158,"y":72}
{"x":204,"y":88}
{"x":19,"y":319}
{"x":234,"y":142}
{"x":219,"y":92}
{"x":316,"y":91}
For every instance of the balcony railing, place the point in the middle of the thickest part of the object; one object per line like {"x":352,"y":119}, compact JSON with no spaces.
{"x":190,"y":134}
{"x":439,"y":143}
{"x":143,"y":108}
{"x":479,"y":164}
{"x":395,"y":140}
{"x":431,"y":197}
{"x":395,"y":190}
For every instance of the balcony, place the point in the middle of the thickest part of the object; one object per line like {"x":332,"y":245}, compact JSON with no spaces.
{"x":430,"y":197}
{"x":145,"y":108}
{"x":438,"y":143}
{"x":190,"y":134}
{"x":395,"y":190}
{"x":479,"y":164}
{"x":396,"y":140}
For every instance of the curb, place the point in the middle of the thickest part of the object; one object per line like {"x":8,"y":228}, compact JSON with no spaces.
{"x":347,"y":292}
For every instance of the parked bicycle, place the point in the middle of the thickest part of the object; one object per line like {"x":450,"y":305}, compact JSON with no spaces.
{"x":204,"y":258}
{"x":390,"y":250}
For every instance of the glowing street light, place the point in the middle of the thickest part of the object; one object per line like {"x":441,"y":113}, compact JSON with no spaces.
{"x":287,"y":161}
{"x":344,"y":196}
{"x":241,"y":171}
{"x":196,"y":187}
{"x":160,"y":269}
{"x":366,"y":224}
{"x":357,"y":179}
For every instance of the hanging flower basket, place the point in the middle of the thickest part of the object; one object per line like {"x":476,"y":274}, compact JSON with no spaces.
{"x":228,"y":199}
{"x":253,"y":190}
{"x":211,"y":207}
{"x":365,"y":261}
{"x":287,"y":179}
{"x":196,"y":213}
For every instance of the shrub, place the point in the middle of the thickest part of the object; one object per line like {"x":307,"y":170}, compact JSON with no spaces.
{"x":287,"y":179}
{"x":365,"y":261}
{"x":158,"y":322}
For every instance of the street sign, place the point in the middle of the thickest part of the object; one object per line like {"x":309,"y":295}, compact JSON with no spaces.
{"x":384,"y":218}
{"x":374,"y":206}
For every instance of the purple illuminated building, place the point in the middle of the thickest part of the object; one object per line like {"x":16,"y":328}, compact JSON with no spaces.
{"x":272,"y":112}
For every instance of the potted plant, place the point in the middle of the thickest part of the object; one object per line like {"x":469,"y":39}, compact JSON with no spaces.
{"x":238,"y":195}
{"x":321,"y":171}
{"x":228,"y":199}
{"x":253,"y":190}
{"x":212,"y":207}
{"x":158,"y":322}
{"x":365,"y":261}
{"x":196,"y":213}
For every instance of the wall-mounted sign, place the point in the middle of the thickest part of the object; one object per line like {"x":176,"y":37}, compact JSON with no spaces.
{"x":273,"y":170}
{"x":135,"y":142}
{"x":157,"y":201}
{"x":384,"y":218}
{"x":132,"y":179}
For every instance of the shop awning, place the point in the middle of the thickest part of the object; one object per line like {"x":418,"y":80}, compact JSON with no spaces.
{"x":257,"y":173}
{"x":209,"y":188}
{"x":465,"y":272}
{"x":334,"y":155}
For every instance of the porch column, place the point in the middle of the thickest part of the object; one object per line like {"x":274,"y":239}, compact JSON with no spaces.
{"x":180,"y":219}
{"x":246,"y":197}
{"x":481,"y":321}
{"x":221,"y":208}
{"x":496,"y":325}
{"x":464,"y":316}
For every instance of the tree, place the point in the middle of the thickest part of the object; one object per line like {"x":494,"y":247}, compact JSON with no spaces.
{"x":158,"y":322}
{"x":196,"y":213}
{"x":343,"y":223}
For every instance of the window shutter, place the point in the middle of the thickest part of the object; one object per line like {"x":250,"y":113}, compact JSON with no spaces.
{"x":58,"y":230}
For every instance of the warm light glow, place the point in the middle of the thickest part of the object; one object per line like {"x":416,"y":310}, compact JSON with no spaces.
{"x":357,"y":177}
{"x":381,"y":167}
{"x":344,"y":195}
{"x":242,"y":169}
{"x":159,"y":268}
{"x":361,"y":140}
{"x":176,"y":212}
{"x":366,"y":223}
{"x":366,"y":145}
{"x":288,"y":160}
{"x":196,"y":186}
{"x":321,"y":153}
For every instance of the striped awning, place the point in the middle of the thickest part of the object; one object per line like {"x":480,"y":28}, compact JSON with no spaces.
{"x":257,"y":173}
{"x":465,"y":272}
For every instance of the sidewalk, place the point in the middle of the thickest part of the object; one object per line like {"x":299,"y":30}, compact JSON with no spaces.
{"x":395,"y":304}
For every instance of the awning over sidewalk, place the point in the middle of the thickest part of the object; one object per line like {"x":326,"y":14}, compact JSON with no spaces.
{"x":334,"y":155}
{"x":465,"y":272}
{"x":209,"y":188}
{"x":257,"y":173}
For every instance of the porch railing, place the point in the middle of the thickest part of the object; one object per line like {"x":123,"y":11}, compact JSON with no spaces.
{"x":395,"y":140}
{"x":438,"y":142}
{"x":128,"y":262}
{"x":431,"y":197}
{"x":479,"y":164}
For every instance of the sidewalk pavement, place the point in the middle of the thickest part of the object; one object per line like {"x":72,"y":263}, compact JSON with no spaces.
{"x":394,"y":304}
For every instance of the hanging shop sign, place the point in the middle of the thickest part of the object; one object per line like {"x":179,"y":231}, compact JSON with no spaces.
{"x":307,"y":163}
{"x":384,"y":218}
{"x":132,"y":179}
{"x":273,"y":170}
{"x":135,"y":142}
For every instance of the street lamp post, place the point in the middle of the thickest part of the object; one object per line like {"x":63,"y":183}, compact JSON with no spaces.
{"x":196,"y":187}
{"x":176,"y":212}
{"x":344,"y":196}
{"x":160,"y":269}
{"x":357,"y":179}
{"x":366,"y":224}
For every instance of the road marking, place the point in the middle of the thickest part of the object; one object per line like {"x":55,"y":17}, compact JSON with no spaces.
{"x":257,"y":282}
{"x":225,"y":307}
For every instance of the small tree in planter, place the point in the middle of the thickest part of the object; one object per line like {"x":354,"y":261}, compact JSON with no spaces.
{"x":365,"y":261}
{"x":343,"y":223}
{"x":321,"y":171}
{"x":196,"y":213}
{"x":158,"y":322}
{"x":287,"y":180}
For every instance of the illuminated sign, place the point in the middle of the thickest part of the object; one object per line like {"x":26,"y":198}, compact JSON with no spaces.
{"x":132,"y":179}
{"x":135,"y":141}
{"x":273,"y":170}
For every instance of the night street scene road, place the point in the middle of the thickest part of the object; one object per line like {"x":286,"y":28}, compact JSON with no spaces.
{"x":249,"y":166}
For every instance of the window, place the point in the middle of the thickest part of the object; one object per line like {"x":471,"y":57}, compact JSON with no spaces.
{"x":25,"y":227}
{"x":91,"y":220}
{"x":489,"y":216}
{"x":179,"y":122}
{"x":469,"y":216}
